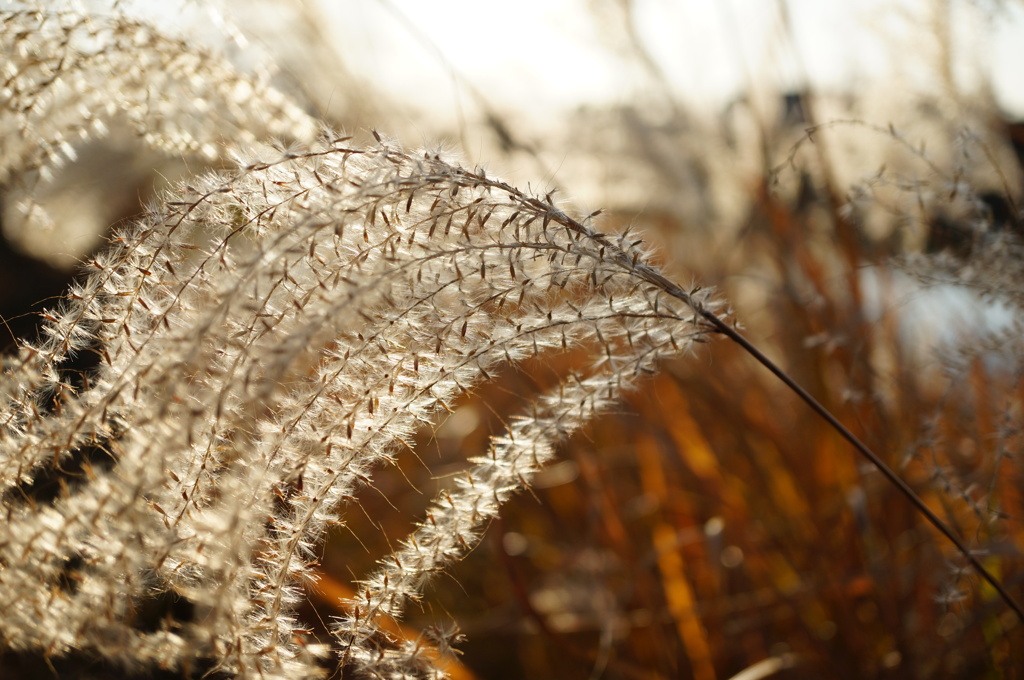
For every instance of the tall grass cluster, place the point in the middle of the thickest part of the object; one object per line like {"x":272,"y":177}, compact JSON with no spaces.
{"x":328,"y":406}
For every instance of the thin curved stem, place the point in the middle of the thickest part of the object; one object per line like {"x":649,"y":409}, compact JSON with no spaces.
{"x":862,"y":448}
{"x":654,"y":277}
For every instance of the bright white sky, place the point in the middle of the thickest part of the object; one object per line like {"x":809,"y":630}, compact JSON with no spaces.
{"x":550,"y":54}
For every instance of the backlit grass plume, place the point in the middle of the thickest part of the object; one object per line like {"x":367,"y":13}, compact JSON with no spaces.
{"x":268,"y":339}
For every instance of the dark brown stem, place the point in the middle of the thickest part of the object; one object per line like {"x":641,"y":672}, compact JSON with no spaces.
{"x":657,"y":279}
{"x":734,"y":335}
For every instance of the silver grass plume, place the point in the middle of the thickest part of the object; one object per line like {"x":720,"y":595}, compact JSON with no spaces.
{"x":267,"y":339}
{"x":67,"y":78}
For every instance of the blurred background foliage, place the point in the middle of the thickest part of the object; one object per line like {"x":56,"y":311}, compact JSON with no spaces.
{"x":868,"y":236}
